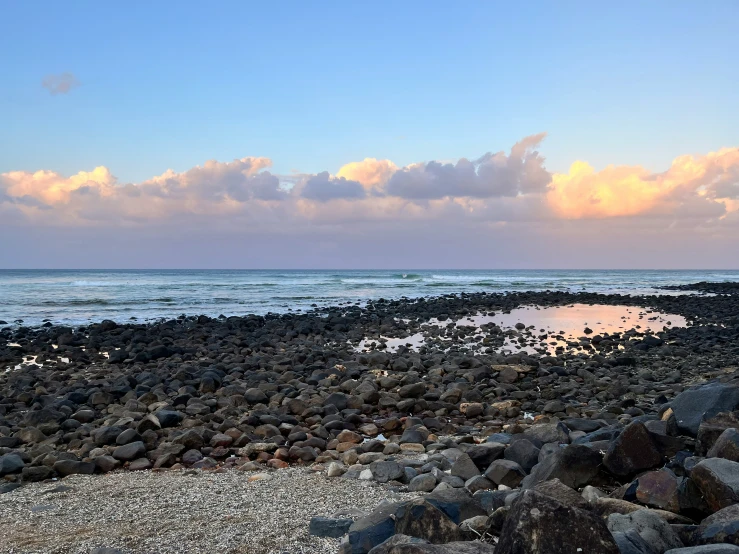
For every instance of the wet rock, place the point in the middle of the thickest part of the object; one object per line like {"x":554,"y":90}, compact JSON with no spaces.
{"x":534,"y":525}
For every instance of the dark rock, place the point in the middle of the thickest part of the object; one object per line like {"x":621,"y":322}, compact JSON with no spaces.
{"x":505,"y":472}
{"x":630,"y":542}
{"x":457,"y":504}
{"x":371,"y":530}
{"x":422,"y":483}
{"x":422,"y":519}
{"x":384,"y":471}
{"x":721,"y":527}
{"x":659,"y":489}
{"x":73,"y":467}
{"x":693,"y":405}
{"x":575,"y":465}
{"x":465,"y":468}
{"x":562,"y":493}
{"x":632,"y":451}
{"x":726,"y":446}
{"x":710,"y":430}
{"x":329,"y":527}
{"x":535,"y":526}
{"x":9,"y":487}
{"x":524,"y":453}
{"x":11,"y":463}
{"x":32,"y":474}
{"x":130,"y":451}
{"x":653,"y":529}
{"x":718,"y":481}
{"x":706,"y":549}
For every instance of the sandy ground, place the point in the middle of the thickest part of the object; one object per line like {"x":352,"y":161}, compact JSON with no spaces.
{"x":177,"y":511}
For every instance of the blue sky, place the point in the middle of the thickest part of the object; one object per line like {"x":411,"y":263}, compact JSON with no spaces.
{"x":316,"y":85}
{"x":98,"y":100}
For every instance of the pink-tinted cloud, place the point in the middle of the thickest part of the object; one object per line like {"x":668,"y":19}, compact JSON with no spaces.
{"x":60,"y":84}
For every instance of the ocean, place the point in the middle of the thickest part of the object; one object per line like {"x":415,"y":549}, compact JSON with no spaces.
{"x":81,"y":296}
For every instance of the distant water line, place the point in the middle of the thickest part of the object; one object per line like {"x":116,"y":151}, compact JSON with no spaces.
{"x":81,"y":296}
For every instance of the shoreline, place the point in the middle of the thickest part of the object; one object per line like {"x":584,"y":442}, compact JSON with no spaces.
{"x":268,"y":393}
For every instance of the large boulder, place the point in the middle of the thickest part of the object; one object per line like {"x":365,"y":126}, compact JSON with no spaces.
{"x":693,"y":405}
{"x":632,"y":451}
{"x":538,"y":524}
{"x":371,"y":530}
{"x":575,"y":465}
{"x":726,"y":446}
{"x":718,"y":481}
{"x":457,"y":504}
{"x":10,"y":463}
{"x":419,"y":518}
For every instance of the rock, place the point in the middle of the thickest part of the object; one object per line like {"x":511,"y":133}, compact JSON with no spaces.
{"x":721,"y":527}
{"x":329,"y":527}
{"x":168,"y":418}
{"x":476,"y":524}
{"x":73,"y":467}
{"x":710,"y":430}
{"x":485,"y":454}
{"x":706,"y":549}
{"x":718,"y":481}
{"x":32,"y":474}
{"x":505,"y":472}
{"x":386,"y":547}
{"x":130,"y":451}
{"x":371,"y":530}
{"x":590,"y":494}
{"x":11,"y":463}
{"x":127,"y":436}
{"x":535,"y":525}
{"x":422,"y":483}
{"x":335,"y":469}
{"x":9,"y":487}
{"x":107,"y":435}
{"x":630,"y":542}
{"x":465,"y":468}
{"x":256,"y":396}
{"x":457,"y":504}
{"x":544,"y":433}
{"x":507,"y":375}
{"x":415,"y":390}
{"x":654,"y":530}
{"x":575,"y":465}
{"x":478,"y":483}
{"x":726,"y":446}
{"x":524,"y":453}
{"x":140,"y":464}
{"x":384,"y":471}
{"x":632,"y":451}
{"x":659,"y":489}
{"x":422,"y":519}
{"x":693,"y":405}
{"x":106,"y":463}
{"x":562,"y":493}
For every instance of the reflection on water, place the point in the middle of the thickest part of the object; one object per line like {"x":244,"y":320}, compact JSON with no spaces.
{"x":534,"y":329}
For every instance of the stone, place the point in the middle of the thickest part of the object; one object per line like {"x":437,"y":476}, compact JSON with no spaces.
{"x":726,"y":446}
{"x":478,"y":483}
{"x":575,"y":465}
{"x":255,"y":396}
{"x":718,"y":481}
{"x":524,"y":453}
{"x":386,"y":547}
{"x":538,"y":524}
{"x":630,"y":542}
{"x":371,"y":530}
{"x":562,"y":493}
{"x":632,"y":451}
{"x":335,"y":469}
{"x":168,"y":418}
{"x":130,"y":451}
{"x":106,"y":463}
{"x":659,"y":489}
{"x":543,"y":433}
{"x":653,"y":529}
{"x":505,"y":472}
{"x":127,"y":436}
{"x":11,"y":463}
{"x":107,"y":435}
{"x":721,"y":527}
{"x":422,"y":483}
{"x":140,"y":464}
{"x":73,"y":467}
{"x":590,"y":494}
{"x":9,"y":487}
{"x":485,"y":454}
{"x":703,"y":402}
{"x":465,"y":468}
{"x":329,"y":527}
{"x":192,"y":456}
{"x":710,"y":430}
{"x":419,"y":518}
{"x":706,"y":549}
{"x":32,"y":474}
{"x":384,"y":471}
{"x":457,"y":504}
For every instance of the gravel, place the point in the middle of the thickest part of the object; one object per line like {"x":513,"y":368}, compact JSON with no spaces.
{"x":182,"y":511}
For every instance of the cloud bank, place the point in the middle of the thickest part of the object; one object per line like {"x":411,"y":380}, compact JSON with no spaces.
{"x":478,"y":202}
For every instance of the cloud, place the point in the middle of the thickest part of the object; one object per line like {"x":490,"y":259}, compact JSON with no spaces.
{"x":370,"y":172}
{"x":491,"y":176}
{"x":60,"y":84}
{"x":693,"y":185}
{"x":323,"y":187}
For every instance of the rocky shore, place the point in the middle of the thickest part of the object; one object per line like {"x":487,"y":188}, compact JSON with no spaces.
{"x":513,"y":440}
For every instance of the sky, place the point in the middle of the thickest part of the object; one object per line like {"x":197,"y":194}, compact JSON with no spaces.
{"x":369,"y":135}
